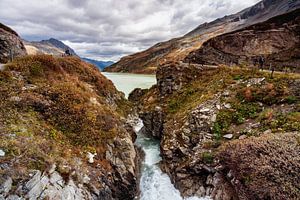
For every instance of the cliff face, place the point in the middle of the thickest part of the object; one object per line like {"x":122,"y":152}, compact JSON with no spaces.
{"x":63,"y":134}
{"x":277,"y":39}
{"x":177,"y":49}
{"x":10,"y":44}
{"x":225,"y":131}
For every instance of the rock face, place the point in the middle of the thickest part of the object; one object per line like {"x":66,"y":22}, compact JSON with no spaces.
{"x":153,"y":122}
{"x":63,"y":131}
{"x":175,"y":75}
{"x":10,"y":44}
{"x":177,"y":49}
{"x":136,"y":94}
{"x":276,"y":39}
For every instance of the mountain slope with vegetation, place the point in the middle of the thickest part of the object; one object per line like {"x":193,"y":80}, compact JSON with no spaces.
{"x":63,"y":132}
{"x":177,"y":49}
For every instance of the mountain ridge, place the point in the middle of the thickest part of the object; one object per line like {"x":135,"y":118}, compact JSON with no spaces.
{"x":51,"y":46}
{"x":98,"y":63}
{"x":178,"y":48}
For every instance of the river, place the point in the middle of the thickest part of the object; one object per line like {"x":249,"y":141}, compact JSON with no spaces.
{"x":154,"y":184}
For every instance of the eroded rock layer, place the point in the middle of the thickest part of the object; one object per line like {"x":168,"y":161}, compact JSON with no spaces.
{"x":277,"y":40}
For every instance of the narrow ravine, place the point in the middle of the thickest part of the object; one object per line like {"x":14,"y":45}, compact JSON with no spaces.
{"x":154,"y":184}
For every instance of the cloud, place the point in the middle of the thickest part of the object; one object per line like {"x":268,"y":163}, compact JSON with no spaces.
{"x":110,"y":29}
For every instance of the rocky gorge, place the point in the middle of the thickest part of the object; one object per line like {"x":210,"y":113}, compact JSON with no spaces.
{"x":226,"y":133}
{"x":212,"y":127}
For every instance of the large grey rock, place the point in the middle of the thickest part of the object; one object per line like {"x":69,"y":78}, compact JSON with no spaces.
{"x":10,"y":43}
{"x":52,"y":187}
{"x":6,"y":186}
{"x":2,"y":153}
{"x":153,"y":122}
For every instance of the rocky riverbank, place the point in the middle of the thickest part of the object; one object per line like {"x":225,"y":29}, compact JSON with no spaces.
{"x":223,"y":130}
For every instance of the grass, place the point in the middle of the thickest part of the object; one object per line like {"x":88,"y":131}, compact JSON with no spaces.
{"x":207,"y":157}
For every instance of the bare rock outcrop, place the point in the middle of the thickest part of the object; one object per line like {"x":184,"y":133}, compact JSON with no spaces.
{"x":11,"y":45}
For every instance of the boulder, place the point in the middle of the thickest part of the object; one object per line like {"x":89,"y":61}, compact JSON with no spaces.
{"x":11,"y":45}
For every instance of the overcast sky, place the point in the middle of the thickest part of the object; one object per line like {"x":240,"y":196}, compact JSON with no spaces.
{"x":110,"y":29}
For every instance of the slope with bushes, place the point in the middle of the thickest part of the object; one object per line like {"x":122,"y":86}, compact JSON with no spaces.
{"x":63,"y":131}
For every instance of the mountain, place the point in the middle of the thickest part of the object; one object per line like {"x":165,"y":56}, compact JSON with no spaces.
{"x":278,"y":39}
{"x":177,"y":49}
{"x":100,"y":64}
{"x":51,"y":46}
{"x":10,"y":43}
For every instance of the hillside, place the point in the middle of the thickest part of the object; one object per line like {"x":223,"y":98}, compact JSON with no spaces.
{"x":63,"y":133}
{"x":11,"y":44}
{"x":278,"y":39}
{"x":177,"y":49}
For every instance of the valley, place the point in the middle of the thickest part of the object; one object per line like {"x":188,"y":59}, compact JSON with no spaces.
{"x":211,"y":115}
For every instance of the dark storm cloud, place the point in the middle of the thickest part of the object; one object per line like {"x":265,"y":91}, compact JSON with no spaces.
{"x":109,"y":29}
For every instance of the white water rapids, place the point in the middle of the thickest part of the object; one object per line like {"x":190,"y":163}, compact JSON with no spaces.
{"x":154,"y":184}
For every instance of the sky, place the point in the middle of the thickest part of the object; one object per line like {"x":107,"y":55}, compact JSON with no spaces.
{"x":111,"y":29}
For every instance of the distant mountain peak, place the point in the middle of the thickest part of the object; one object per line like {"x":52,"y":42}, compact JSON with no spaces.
{"x":51,"y":46}
{"x":100,"y":64}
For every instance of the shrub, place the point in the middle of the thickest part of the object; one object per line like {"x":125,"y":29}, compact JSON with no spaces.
{"x":207,"y":157}
{"x":291,"y":99}
{"x":36,"y":69}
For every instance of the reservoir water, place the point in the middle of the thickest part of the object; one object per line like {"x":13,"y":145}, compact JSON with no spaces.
{"x":154,"y":184}
{"x":126,"y":82}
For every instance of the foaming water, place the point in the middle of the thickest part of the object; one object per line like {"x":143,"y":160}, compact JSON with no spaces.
{"x":154,"y":184}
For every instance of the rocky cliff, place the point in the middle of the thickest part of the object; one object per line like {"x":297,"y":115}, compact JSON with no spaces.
{"x":177,"y":49}
{"x":11,"y":44}
{"x":63,"y":133}
{"x":228,"y":133}
{"x":277,"y":40}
